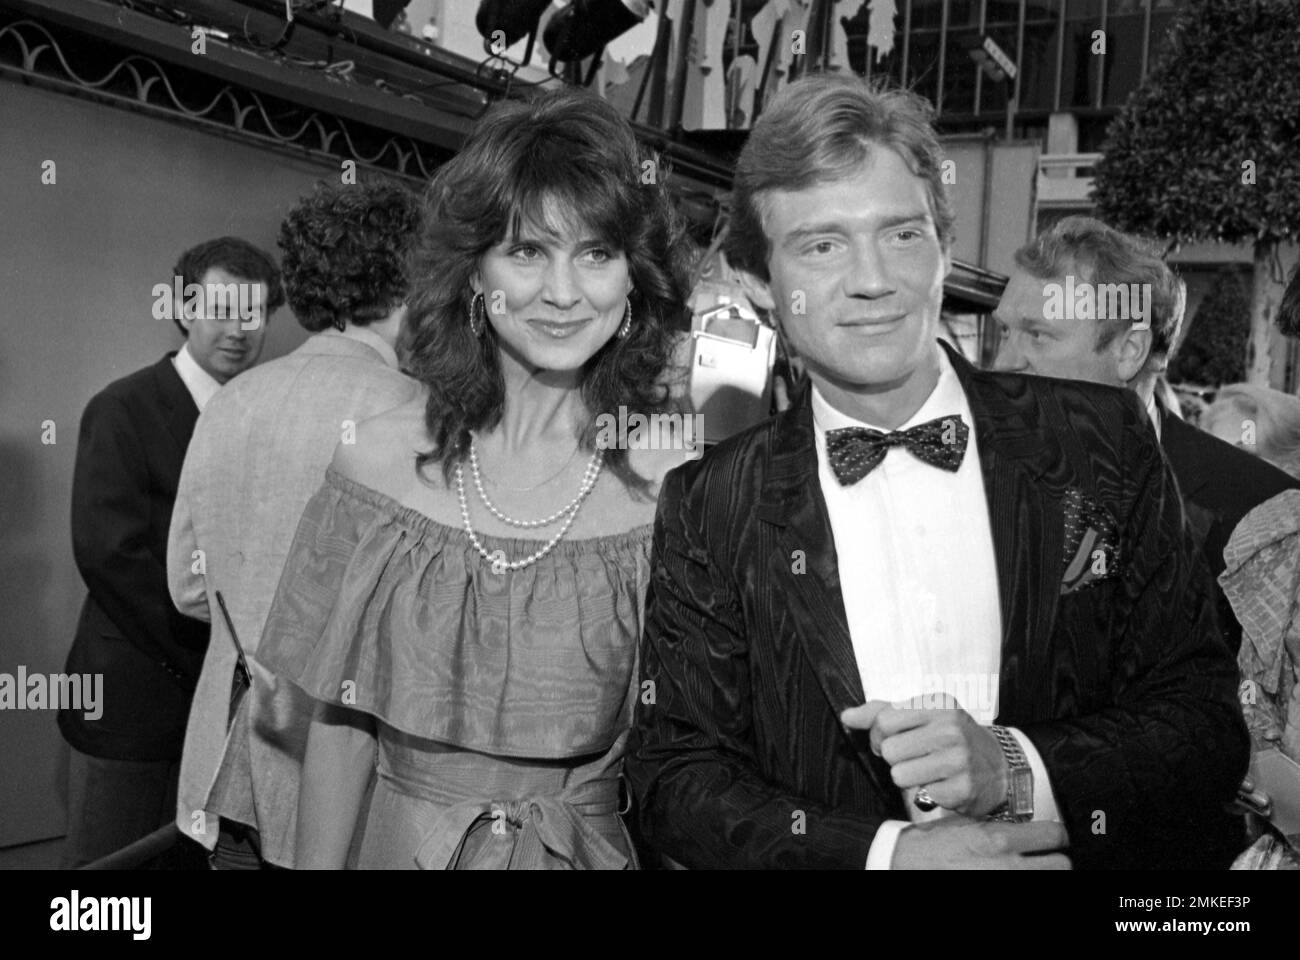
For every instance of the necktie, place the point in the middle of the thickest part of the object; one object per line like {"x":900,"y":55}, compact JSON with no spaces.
{"x":856,"y":451}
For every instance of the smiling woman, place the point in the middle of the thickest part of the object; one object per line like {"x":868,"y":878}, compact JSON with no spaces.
{"x":488,"y":675}
{"x":587,"y":300}
{"x":546,"y":215}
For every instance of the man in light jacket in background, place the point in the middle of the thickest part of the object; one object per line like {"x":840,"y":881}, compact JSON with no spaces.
{"x":258,"y":454}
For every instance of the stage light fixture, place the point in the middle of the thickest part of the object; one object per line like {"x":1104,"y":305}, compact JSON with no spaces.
{"x":503,"y":23}
{"x":987,"y":64}
{"x":582,"y":29}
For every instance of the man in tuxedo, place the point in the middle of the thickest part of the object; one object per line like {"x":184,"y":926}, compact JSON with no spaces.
{"x":124,"y":766}
{"x":259,"y":453}
{"x":910,"y":533}
{"x":1087,"y":302}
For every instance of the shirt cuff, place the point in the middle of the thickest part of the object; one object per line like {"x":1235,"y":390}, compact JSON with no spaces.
{"x":1044,"y":800}
{"x":881,"y":854}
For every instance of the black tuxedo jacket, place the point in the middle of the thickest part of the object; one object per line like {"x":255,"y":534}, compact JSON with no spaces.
{"x":132,"y":443}
{"x":1124,"y":687}
{"x":1220,"y":484}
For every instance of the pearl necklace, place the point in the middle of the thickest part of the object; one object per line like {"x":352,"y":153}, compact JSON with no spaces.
{"x":497,"y":558}
{"x":588,"y":479}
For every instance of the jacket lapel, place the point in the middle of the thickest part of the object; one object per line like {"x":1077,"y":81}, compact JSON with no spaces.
{"x":1182,"y":455}
{"x":1026,"y":518}
{"x":791,"y":498}
{"x":179,"y":411}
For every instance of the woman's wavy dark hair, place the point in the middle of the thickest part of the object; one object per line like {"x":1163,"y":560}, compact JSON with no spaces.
{"x":345,"y":249}
{"x":569,"y":153}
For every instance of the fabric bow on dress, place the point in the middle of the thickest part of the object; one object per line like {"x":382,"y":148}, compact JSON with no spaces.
{"x":533,"y":832}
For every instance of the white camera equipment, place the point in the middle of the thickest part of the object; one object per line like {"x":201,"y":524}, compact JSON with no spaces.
{"x":731,"y":368}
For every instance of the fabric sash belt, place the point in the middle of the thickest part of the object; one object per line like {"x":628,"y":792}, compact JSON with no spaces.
{"x":542,"y":827}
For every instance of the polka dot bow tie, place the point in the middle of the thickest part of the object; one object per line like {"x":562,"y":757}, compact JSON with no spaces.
{"x":855,"y":451}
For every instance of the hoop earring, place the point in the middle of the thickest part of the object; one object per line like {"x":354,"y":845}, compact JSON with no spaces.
{"x":624,"y":330}
{"x":476,"y":323}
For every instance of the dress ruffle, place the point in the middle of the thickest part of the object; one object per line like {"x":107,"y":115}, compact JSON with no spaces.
{"x":384,"y":610}
{"x":1262,"y":582}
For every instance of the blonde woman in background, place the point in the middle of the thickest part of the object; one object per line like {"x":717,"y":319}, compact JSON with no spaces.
{"x":1263,"y":421}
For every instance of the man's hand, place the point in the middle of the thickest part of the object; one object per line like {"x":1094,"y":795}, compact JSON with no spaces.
{"x":957,"y":843}
{"x":959,"y":763}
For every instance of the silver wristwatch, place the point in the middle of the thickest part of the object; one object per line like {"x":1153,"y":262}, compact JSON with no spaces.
{"x":1019,"y":805}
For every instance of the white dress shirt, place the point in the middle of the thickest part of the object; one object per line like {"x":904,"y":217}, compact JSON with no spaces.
{"x":1153,"y":412}
{"x":201,"y":384}
{"x":919,"y":579}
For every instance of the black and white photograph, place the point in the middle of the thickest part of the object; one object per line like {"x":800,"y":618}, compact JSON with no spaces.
{"x":651,"y":435}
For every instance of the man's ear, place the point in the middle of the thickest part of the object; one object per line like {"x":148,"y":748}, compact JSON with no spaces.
{"x":1132,"y":347}
{"x":758,"y":291}
{"x":183,"y":317}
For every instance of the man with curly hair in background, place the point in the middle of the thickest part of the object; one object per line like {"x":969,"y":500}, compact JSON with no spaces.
{"x":258,"y":453}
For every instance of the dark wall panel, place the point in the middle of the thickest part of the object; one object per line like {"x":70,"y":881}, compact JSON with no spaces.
{"x":78,"y":259}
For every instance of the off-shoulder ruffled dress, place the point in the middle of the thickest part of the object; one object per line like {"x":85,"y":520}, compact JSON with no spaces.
{"x":502,"y":700}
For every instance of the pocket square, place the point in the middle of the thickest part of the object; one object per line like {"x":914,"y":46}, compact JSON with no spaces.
{"x":1091,"y":547}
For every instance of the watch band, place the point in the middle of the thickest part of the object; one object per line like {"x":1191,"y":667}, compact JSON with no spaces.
{"x":1019,"y":804}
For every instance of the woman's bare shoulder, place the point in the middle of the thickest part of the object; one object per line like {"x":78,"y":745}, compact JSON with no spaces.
{"x":382,"y":445}
{"x":655,"y":464}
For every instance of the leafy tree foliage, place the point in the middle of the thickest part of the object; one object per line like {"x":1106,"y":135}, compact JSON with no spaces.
{"x":1213,"y":351}
{"x":1208,"y":147}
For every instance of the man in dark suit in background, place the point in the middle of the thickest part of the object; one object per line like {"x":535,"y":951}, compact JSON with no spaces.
{"x":134,"y":433}
{"x":911,"y":532}
{"x":1050,"y":330}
